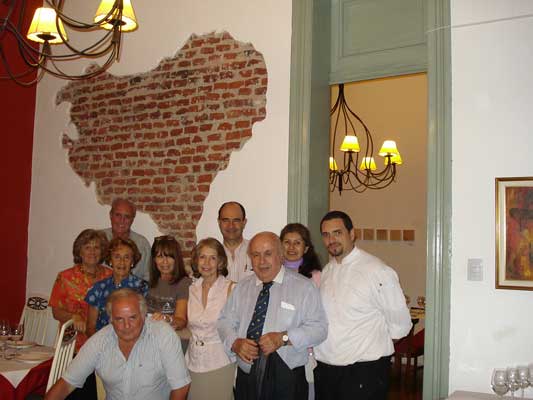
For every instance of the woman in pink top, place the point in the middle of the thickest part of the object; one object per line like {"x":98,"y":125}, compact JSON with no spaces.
{"x":212,"y":372}
{"x":299,"y":253}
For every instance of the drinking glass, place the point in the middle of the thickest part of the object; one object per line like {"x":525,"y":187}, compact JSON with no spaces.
{"x":523,"y":377}
{"x":530,"y":379}
{"x":17,"y":333}
{"x":512,"y":380}
{"x":499,"y":382}
{"x":4,"y":335}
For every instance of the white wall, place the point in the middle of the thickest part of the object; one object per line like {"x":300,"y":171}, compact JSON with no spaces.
{"x":492,"y":98}
{"x":257,"y":175}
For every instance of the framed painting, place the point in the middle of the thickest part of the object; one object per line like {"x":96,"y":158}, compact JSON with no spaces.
{"x":514,"y":233}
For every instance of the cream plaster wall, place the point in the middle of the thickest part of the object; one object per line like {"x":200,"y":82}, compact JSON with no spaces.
{"x":393,"y":108}
{"x":492,"y":105}
{"x":257,"y":175}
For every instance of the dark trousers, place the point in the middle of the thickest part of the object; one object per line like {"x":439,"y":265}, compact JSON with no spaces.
{"x":367,"y":380}
{"x":279,"y":382}
{"x":87,"y":392}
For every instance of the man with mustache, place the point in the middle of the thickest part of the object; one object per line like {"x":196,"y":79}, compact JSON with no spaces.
{"x":269,"y":322}
{"x":366,"y":311}
{"x":232,"y":221}
{"x":122,"y":215}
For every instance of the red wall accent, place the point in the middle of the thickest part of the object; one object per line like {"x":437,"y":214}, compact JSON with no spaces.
{"x":17,"y":105}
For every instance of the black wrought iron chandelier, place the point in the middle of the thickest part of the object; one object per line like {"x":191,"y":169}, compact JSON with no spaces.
{"x":358,"y":175}
{"x":48,"y":29}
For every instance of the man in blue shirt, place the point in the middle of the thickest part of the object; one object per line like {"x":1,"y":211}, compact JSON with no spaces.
{"x":269,"y":322}
{"x":136,"y":359}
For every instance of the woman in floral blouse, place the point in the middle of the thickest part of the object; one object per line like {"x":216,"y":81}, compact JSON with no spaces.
{"x":70,"y":288}
{"x":122,"y":256}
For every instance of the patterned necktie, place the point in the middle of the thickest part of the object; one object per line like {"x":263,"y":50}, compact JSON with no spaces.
{"x":258,"y":319}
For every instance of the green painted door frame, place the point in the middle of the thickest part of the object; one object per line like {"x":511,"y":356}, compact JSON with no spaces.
{"x":308,"y":193}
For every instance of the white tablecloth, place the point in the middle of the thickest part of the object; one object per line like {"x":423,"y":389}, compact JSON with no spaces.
{"x":15,"y":371}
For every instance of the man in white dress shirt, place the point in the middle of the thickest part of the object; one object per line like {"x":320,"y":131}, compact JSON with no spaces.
{"x":136,"y":359}
{"x":231,"y":221}
{"x":366,"y":311}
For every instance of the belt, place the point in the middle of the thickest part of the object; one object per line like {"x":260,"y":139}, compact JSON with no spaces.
{"x":199,"y":342}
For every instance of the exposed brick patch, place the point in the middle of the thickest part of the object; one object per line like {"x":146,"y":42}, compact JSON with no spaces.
{"x":160,"y":138}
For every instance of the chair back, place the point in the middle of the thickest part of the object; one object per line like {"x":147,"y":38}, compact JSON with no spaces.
{"x":35,"y":317}
{"x":64,"y":352}
{"x":100,"y":390}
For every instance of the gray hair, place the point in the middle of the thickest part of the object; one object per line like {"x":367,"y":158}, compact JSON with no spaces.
{"x":122,"y":294}
{"x":119,"y":200}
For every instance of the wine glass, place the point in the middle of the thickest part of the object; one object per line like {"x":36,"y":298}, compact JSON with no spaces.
{"x":17,"y":333}
{"x":499,"y":382}
{"x":4,"y":335}
{"x":523,"y":377}
{"x":512,"y":380}
{"x":530,"y":379}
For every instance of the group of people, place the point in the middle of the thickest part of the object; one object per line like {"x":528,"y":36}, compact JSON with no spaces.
{"x":266,"y":320}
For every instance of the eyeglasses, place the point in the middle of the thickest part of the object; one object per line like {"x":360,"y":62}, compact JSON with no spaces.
{"x":165,"y":237}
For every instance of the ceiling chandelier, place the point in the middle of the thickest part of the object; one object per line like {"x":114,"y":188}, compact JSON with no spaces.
{"x":48,"y":29}
{"x":358,"y":175}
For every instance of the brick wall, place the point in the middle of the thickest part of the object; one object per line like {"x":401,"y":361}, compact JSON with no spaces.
{"x":160,"y":138}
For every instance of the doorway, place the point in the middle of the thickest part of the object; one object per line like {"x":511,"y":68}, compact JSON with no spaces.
{"x":309,"y":119}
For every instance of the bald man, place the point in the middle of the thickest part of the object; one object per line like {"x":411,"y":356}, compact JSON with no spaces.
{"x":269,"y":322}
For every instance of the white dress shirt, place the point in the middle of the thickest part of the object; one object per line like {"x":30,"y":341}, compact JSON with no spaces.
{"x":239,"y":264}
{"x":205,"y":351}
{"x":294,"y":306}
{"x":365,"y":307}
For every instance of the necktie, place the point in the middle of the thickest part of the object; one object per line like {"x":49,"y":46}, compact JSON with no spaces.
{"x":258,"y":319}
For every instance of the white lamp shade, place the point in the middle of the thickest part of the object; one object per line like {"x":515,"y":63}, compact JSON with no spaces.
{"x":333,"y":164}
{"x":368,"y":163}
{"x":128,"y":20}
{"x":44,"y":28}
{"x":350,"y":143}
{"x":388,"y":148}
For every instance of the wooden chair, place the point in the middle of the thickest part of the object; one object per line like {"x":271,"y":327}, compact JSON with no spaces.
{"x":64,"y":352}
{"x":411,"y":347}
{"x":100,"y":390}
{"x":35,"y":317}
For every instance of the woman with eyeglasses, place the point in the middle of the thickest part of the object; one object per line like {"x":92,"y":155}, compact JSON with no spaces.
{"x":122,"y":256}
{"x":212,"y":371}
{"x":169,"y":283}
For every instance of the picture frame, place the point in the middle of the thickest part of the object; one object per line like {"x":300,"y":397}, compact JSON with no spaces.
{"x":514,"y":233}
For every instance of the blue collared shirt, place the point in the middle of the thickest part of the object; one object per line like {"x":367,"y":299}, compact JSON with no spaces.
{"x":97,"y":295}
{"x":294,"y":306}
{"x":154,"y":367}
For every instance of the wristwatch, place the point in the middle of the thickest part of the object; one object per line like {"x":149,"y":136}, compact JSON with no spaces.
{"x":285,"y":339}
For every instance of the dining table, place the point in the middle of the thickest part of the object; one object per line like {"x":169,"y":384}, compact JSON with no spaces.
{"x":24,"y":370}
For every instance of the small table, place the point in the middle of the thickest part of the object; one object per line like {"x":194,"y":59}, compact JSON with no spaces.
{"x":20,"y":378}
